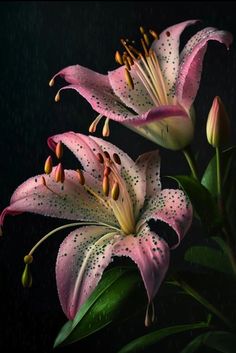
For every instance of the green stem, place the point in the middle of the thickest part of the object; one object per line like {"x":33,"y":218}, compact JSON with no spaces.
{"x":199,"y":298}
{"x":191,"y":162}
{"x":218,"y":171}
{"x":230,"y":241}
{"x":226,"y":229}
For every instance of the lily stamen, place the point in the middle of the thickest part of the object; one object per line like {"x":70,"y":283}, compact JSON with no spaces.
{"x":146,"y":39}
{"x":115,"y":192}
{"x":106,"y":130}
{"x":123,"y":42}
{"x":93,"y":126}
{"x":144,"y":47}
{"x":116,"y":158}
{"x":48,"y":165}
{"x":153,"y":33}
{"x":105,"y":185}
{"x":128,"y":79}
{"x":118,"y":58}
{"x":51,"y":82}
{"x":57,"y":96}
{"x":54,"y":231}
{"x":81,"y":177}
{"x":59,"y":150}
{"x":59,"y":174}
{"x":47,"y":187}
{"x":100,"y":158}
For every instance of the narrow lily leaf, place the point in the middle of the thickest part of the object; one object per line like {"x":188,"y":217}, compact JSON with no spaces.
{"x":230,"y":192}
{"x":221,"y":341}
{"x":110,"y":301}
{"x":209,"y":178}
{"x":146,"y":341}
{"x":201,"y":200}
{"x":211,"y":258}
{"x":221,"y":243}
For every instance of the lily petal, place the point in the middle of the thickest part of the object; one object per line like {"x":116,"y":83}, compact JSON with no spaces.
{"x":81,"y":260}
{"x":191,"y":62}
{"x":83,"y":148}
{"x":150,"y":253}
{"x":66,"y":201}
{"x":132,"y":174}
{"x":167,"y":51}
{"x":150,"y":163}
{"x":96,"y":89}
{"x":138,"y":98}
{"x":168,"y":126}
{"x":172,"y":207}
{"x":158,"y":114}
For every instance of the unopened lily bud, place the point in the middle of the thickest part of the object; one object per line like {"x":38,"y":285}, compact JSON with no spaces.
{"x":218,"y":124}
{"x":26,"y":278}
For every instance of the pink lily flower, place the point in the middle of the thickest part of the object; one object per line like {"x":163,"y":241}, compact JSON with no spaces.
{"x":153,"y":92}
{"x":115,"y":197}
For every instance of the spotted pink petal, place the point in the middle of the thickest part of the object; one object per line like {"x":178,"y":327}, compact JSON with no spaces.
{"x":167,"y":51}
{"x":96,"y":89}
{"x":150,"y":164}
{"x":172,"y":207}
{"x":191,"y":62}
{"x":167,"y":126}
{"x":159,"y":114}
{"x":132,"y":174}
{"x":66,"y":201}
{"x":83,"y":148}
{"x":138,"y":98}
{"x":81,"y":260}
{"x":151,"y":255}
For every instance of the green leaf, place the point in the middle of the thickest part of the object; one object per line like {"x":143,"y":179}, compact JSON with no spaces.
{"x":209,"y":178}
{"x":146,"y":341}
{"x":201,"y":200}
{"x":221,"y":341}
{"x":211,"y":258}
{"x":230,"y":196}
{"x":112,"y":300}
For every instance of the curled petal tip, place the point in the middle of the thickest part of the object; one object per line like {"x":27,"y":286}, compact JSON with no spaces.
{"x":150,"y":315}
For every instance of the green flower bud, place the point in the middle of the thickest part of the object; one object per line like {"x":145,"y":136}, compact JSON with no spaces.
{"x":218,"y":124}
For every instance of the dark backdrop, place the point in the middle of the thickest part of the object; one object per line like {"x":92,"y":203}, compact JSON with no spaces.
{"x":36,"y":40}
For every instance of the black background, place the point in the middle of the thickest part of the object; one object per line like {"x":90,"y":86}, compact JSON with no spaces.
{"x":37,"y":39}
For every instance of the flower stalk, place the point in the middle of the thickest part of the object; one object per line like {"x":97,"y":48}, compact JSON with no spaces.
{"x":191,"y":161}
{"x":203,"y":301}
